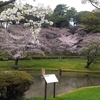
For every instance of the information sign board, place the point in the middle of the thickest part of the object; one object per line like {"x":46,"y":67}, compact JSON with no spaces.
{"x":50,"y":78}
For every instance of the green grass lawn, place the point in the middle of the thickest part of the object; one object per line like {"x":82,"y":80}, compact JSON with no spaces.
{"x":87,"y":93}
{"x":64,"y":64}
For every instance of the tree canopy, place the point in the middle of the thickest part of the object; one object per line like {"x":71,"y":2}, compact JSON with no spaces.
{"x":61,"y":15}
{"x":92,"y":21}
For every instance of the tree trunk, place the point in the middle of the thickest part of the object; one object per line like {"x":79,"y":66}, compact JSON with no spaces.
{"x":88,"y":64}
{"x":16,"y":64}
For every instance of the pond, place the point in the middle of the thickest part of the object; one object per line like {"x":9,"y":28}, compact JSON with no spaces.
{"x":66,"y":83}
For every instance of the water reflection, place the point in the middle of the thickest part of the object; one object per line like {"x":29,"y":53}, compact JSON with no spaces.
{"x":66,"y":83}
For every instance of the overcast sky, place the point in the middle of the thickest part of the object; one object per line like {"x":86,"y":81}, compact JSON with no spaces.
{"x":71,"y":3}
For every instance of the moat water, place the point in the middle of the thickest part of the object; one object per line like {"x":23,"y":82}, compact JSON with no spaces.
{"x":66,"y":83}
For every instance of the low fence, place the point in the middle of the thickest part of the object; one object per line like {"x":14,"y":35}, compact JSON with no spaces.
{"x":59,"y":72}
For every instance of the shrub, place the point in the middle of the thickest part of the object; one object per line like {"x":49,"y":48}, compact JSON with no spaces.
{"x":13,"y":84}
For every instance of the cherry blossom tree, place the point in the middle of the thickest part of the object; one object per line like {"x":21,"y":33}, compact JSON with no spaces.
{"x":18,"y":44}
{"x":13,"y":41}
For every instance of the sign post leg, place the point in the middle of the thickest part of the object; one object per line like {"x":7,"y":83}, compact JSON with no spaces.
{"x":54,"y":90}
{"x":45,"y":90}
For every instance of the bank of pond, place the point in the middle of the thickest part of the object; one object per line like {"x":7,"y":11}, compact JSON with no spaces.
{"x":70,"y":86}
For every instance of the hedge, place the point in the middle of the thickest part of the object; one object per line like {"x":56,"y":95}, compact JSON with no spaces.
{"x":13,"y":84}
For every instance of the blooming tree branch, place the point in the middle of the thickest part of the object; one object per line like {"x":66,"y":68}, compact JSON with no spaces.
{"x":6,"y":3}
{"x":18,"y":13}
{"x":95,"y":3}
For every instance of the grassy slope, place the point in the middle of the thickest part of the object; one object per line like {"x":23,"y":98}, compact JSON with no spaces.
{"x":89,"y":93}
